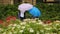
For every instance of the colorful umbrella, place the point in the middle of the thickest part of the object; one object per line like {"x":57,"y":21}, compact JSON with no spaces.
{"x":35,"y":12}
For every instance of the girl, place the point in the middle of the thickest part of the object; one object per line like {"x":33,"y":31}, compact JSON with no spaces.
{"x":28,"y":7}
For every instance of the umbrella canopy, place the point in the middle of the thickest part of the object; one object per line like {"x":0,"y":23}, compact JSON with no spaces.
{"x":25,"y":6}
{"x":35,"y":12}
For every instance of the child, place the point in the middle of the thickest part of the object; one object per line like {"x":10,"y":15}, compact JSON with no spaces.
{"x":23,"y":8}
{"x":28,"y":7}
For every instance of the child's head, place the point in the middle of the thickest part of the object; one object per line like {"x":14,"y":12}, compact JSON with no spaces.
{"x":26,"y":2}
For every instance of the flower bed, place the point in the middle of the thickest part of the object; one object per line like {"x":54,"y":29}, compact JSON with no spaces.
{"x":30,"y":27}
{"x":11,"y":25}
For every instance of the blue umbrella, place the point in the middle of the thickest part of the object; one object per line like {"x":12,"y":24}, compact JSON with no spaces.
{"x":35,"y":12}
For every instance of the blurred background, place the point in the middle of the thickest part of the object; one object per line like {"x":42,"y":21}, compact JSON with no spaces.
{"x":49,"y":8}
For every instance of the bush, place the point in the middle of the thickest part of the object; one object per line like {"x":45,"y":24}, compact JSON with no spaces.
{"x":49,"y":12}
{"x":8,"y":10}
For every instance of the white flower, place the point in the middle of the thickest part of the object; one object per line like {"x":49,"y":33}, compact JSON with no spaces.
{"x":57,"y":21}
{"x":14,"y":25}
{"x":29,"y":22}
{"x":57,"y":24}
{"x":10,"y":32}
{"x":33,"y":21}
{"x":39,"y":20}
{"x":31,"y":30}
{"x":18,"y":26}
{"x":27,"y":19}
{"x":36,"y":18}
{"x":0,"y":29}
{"x":13,"y":28}
{"x":15,"y":32}
{"x":47,"y":28}
{"x":23,"y":27}
{"x":39,"y":23}
{"x":23,"y":23}
{"x":42,"y":30}
{"x":50,"y":24}
{"x":21,"y":31}
{"x":44,"y":24}
{"x":4,"y":32}
{"x":10,"y":25}
{"x":27,"y":25}
{"x":37,"y":32}
{"x":59,"y":28}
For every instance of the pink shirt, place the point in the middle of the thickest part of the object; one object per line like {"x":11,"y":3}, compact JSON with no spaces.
{"x":24,"y":7}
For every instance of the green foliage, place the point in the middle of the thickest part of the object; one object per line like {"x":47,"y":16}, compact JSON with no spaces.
{"x":48,"y":12}
{"x":8,"y":10}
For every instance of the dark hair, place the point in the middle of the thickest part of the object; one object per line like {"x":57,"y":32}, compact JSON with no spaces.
{"x":26,"y":2}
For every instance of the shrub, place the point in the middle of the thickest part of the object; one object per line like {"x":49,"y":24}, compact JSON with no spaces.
{"x":48,"y":12}
{"x":8,"y":10}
